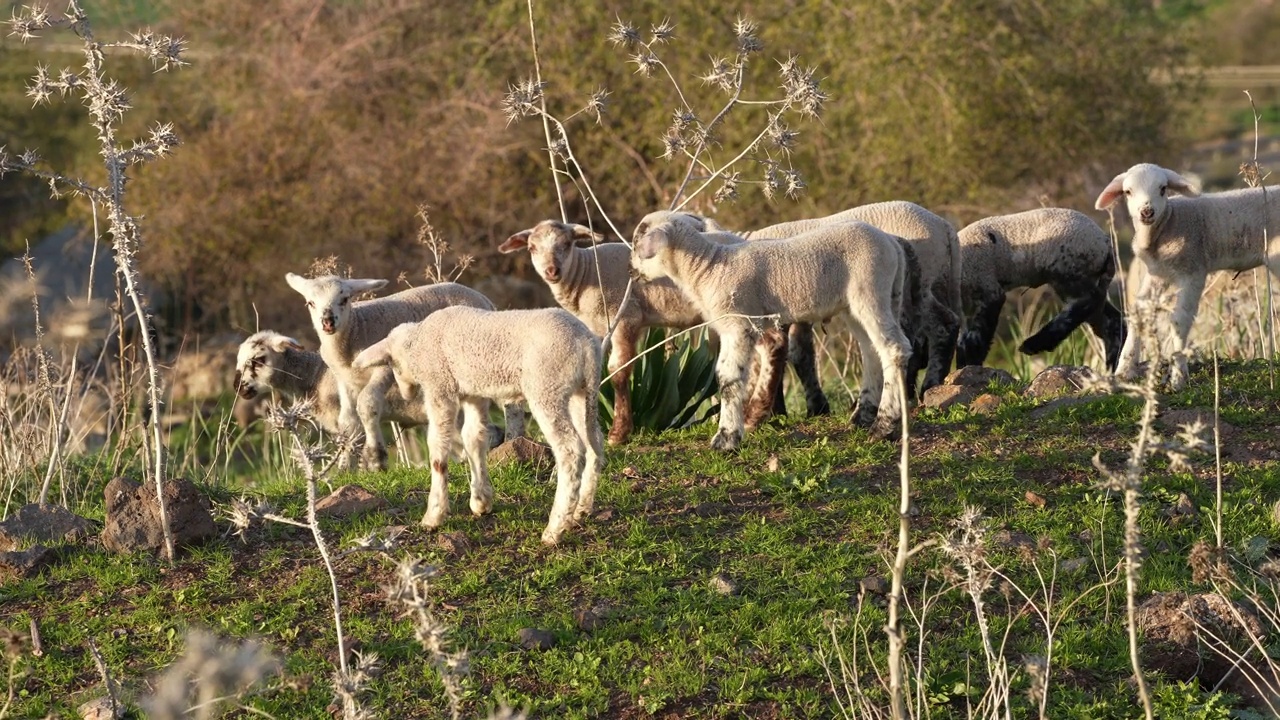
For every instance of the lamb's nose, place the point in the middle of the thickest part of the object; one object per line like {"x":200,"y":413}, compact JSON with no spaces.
{"x":1147,"y":213}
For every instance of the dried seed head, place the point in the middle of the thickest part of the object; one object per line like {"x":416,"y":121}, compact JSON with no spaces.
{"x":793,"y":184}
{"x":623,"y":34}
{"x":779,"y":134}
{"x":672,"y":145}
{"x":597,"y":103}
{"x":29,"y":20}
{"x":728,"y":191}
{"x":646,"y":62}
{"x":523,"y":100}
{"x":663,"y":31}
{"x":723,"y":74}
{"x":745,"y":32}
{"x":803,"y":91}
{"x":682,"y":120}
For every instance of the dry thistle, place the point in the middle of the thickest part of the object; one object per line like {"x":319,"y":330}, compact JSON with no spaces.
{"x":723,"y":74}
{"x":624,"y":34}
{"x":662,"y":32}
{"x":646,"y":62}
{"x":208,"y":673}
{"x":410,"y":589}
{"x":522,"y":100}
{"x":1208,"y":563}
{"x":744,"y":31}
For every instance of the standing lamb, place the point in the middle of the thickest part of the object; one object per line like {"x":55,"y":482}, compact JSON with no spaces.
{"x":1061,"y":248}
{"x":461,"y":358}
{"x":590,"y":282}
{"x":270,"y":362}
{"x":937,"y":248}
{"x":345,"y":328}
{"x":851,"y":267}
{"x":1181,"y":240}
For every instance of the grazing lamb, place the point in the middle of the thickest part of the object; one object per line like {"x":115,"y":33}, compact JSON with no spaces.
{"x":590,"y":282}
{"x":1058,"y":247}
{"x":461,"y":358}
{"x":268,"y":361}
{"x":345,"y":328}
{"x":851,"y":267}
{"x":1181,"y":240}
{"x":938,"y":250}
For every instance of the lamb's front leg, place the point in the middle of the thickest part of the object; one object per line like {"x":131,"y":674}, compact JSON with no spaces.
{"x":736,"y":342}
{"x":1190,"y":289}
{"x":349,"y":424}
{"x":441,"y":429}
{"x":475,"y":443}
{"x":369,"y":406}
{"x":1140,"y":321}
{"x":622,"y":352}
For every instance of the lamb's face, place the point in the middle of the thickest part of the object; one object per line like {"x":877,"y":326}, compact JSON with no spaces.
{"x":1146,"y":189}
{"x":550,"y":244}
{"x":258,"y":360}
{"x":329,"y":299}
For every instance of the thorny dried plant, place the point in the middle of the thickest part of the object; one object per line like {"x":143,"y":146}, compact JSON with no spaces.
{"x":438,"y":247}
{"x":210,"y":674}
{"x":107,"y":103}
{"x":1255,"y":176}
{"x":16,"y":647}
{"x":410,"y":592}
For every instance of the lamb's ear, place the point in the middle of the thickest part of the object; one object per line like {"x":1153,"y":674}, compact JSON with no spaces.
{"x":280,"y":343}
{"x":650,"y":243}
{"x":1181,"y":185}
{"x":582,"y":232}
{"x":297,"y":282}
{"x":1112,"y":191}
{"x":376,"y":354}
{"x":355,"y":287}
{"x":519,"y":241}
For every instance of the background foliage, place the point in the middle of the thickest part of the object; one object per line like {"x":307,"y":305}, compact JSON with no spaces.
{"x":315,"y":128}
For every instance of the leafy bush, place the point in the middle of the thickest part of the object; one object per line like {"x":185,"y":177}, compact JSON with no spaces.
{"x":669,"y":386}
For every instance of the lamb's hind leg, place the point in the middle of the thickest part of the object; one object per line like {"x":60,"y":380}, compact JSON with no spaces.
{"x":976,"y":343}
{"x":804,"y":360}
{"x":892,"y":351}
{"x":553,"y":416}
{"x":869,"y":384}
{"x":441,"y":430}
{"x":369,"y":405}
{"x":623,"y":351}
{"x":475,"y":443}
{"x":584,"y":412}
{"x":766,"y":382}
{"x":941,"y":331}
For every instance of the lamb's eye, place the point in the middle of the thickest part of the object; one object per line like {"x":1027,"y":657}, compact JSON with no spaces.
{"x":310,"y":304}
{"x":1128,"y":192}
{"x":344,"y":301}
{"x":1162,"y":190}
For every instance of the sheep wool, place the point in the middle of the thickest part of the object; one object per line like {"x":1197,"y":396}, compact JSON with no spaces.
{"x":1183,"y":239}
{"x":1058,"y":247}
{"x":345,"y":328}
{"x":850,"y":267}
{"x":461,"y":358}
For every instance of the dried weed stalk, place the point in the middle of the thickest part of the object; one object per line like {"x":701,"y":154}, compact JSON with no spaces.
{"x":108,"y":102}
{"x":210,"y":675}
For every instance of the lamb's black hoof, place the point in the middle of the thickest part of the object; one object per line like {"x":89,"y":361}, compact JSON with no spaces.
{"x":726,"y":440}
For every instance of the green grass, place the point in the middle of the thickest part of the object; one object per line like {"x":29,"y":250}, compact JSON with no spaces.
{"x":797,"y":541}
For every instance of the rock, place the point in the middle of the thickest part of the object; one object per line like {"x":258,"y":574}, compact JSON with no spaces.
{"x":456,"y":543}
{"x":349,"y":500}
{"x":944,"y":396}
{"x":984,"y":404}
{"x":535,"y":639}
{"x":50,"y":523}
{"x":1055,"y":405}
{"x":874,"y":584}
{"x":1170,"y":644}
{"x":723,"y":584}
{"x":588,"y":619}
{"x":1181,"y":508}
{"x":522,"y":451}
{"x":1014,"y":539}
{"x":133,"y":516}
{"x":1036,"y":499}
{"x":103,"y":708}
{"x":1060,"y":380}
{"x":20,"y":564}
{"x":979,"y":377}
{"x":1067,"y":567}
{"x":603,"y":516}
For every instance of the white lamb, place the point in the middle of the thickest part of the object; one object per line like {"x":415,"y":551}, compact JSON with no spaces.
{"x":590,"y":282}
{"x":461,"y":358}
{"x":345,"y":328}
{"x":1181,"y":240}
{"x":1061,"y":248}
{"x":937,"y":248}
{"x":269,"y":362}
{"x":851,"y":267}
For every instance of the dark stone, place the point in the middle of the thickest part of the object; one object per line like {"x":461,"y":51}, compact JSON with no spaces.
{"x":979,"y":377}
{"x":944,"y":396}
{"x":984,"y":404}
{"x":1060,"y":380}
{"x":535,"y":639}
{"x":522,"y":451}
{"x":348,"y":500}
{"x":454,"y":543}
{"x":133,"y":516}
{"x":46,"y":524}
{"x":875,"y":585}
{"x":588,"y":619}
{"x":20,"y":564}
